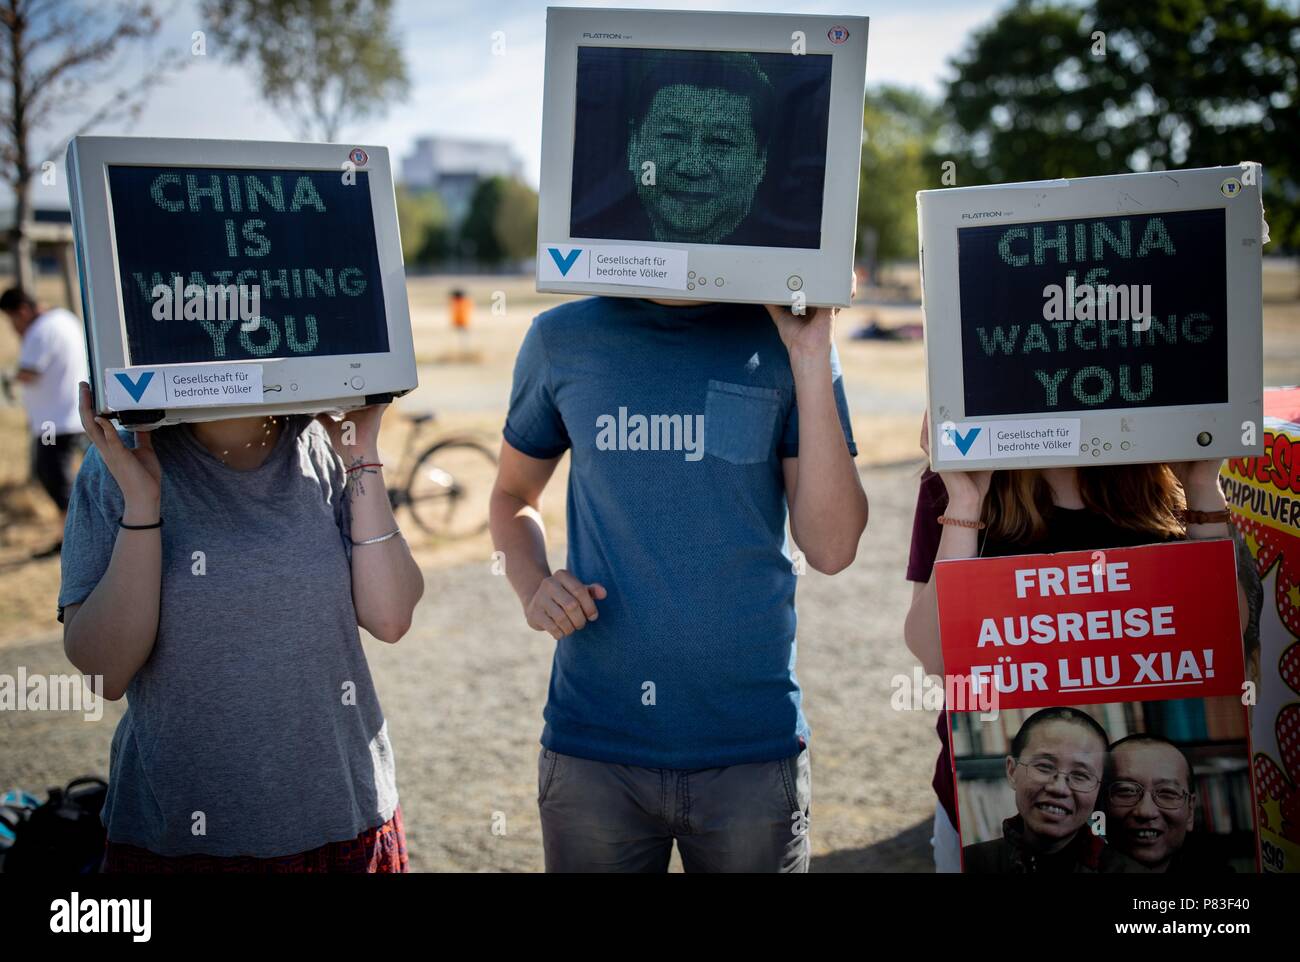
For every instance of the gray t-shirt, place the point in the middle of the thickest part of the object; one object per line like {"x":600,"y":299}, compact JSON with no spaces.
{"x":256,"y":706}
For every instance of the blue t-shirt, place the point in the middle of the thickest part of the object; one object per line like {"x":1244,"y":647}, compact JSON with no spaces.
{"x":678,"y":419}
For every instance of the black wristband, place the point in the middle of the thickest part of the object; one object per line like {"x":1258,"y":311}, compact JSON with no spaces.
{"x":141,"y":527}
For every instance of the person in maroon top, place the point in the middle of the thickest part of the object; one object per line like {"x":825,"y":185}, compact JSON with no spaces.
{"x":985,"y":514}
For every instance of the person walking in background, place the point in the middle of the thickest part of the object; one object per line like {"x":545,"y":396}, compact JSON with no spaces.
{"x":462,"y":312}
{"x":51,"y":363}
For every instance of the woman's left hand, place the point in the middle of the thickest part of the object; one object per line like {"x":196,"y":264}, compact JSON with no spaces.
{"x":364,"y":435}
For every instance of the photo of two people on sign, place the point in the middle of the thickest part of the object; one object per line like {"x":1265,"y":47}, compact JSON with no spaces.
{"x":1130,"y":787}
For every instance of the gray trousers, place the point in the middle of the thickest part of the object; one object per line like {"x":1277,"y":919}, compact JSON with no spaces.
{"x":603,"y":817}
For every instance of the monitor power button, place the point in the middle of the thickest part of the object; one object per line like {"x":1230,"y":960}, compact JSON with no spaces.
{"x":358,"y":383}
{"x":794,"y":282}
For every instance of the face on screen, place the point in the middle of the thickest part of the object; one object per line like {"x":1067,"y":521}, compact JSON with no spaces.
{"x":700,"y":146}
{"x":707,"y":162}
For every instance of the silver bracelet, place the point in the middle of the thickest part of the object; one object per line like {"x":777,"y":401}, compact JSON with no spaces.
{"x":383,"y":537}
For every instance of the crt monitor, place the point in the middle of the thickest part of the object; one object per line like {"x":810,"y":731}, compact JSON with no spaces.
{"x":701,"y":156}
{"x":232,"y":278}
{"x":1101,"y":320}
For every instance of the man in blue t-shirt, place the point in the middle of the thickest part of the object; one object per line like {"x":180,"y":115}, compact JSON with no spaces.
{"x":673,"y":711}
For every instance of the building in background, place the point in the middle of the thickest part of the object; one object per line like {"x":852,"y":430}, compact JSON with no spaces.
{"x":50,"y":231}
{"x":453,"y":167}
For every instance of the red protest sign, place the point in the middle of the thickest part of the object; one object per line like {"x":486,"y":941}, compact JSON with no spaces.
{"x":1125,"y":624}
{"x":1098,"y":722}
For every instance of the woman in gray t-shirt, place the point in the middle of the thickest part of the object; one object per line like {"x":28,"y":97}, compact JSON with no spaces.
{"x":253,"y":730}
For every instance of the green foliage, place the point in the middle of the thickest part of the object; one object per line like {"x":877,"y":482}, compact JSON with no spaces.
{"x":324,"y":63}
{"x":426,"y":232}
{"x":1181,"y":83}
{"x":899,"y":129}
{"x":502,"y":221}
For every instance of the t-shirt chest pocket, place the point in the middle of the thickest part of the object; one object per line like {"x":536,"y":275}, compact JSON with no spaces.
{"x":740,"y":422}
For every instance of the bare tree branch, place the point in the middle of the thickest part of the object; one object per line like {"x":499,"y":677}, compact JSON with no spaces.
{"x":53,"y":55}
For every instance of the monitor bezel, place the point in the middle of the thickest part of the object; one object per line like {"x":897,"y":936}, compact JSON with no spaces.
{"x":307,"y":384}
{"x":1114,"y":435}
{"x":756,"y":275}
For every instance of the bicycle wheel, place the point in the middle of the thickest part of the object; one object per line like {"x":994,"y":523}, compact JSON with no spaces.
{"x":450,"y":486}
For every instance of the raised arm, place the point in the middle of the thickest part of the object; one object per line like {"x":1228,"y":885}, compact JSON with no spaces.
{"x":966,"y":492}
{"x":1203,"y":492}
{"x":828,"y":508}
{"x":921,"y":627}
{"x":386,"y":581}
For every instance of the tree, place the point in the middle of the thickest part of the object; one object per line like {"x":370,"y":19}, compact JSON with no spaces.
{"x":323,"y":63}
{"x":502,"y":221}
{"x":422,"y":218}
{"x":899,"y":127}
{"x":55,"y":58}
{"x":515,"y":222}
{"x":1063,"y":90}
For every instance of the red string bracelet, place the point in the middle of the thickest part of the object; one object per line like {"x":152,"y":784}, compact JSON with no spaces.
{"x":362,"y":467}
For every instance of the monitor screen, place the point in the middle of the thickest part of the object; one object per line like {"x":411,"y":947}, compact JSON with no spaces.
{"x":304,"y":238}
{"x":700,"y":146}
{"x":1038,"y":333}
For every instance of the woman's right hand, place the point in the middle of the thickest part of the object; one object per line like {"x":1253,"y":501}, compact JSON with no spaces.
{"x":966,"y":489}
{"x":136,"y":470}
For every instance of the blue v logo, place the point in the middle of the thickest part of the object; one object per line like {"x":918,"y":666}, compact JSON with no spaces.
{"x":565,"y":262}
{"x":135,"y":388}
{"x":964,"y":441}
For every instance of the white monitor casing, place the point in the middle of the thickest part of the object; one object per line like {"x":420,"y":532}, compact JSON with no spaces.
{"x":1106,"y":435}
{"x":734,"y":273}
{"x":304,"y":384}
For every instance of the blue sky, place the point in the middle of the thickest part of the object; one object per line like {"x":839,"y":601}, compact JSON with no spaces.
{"x":459,"y":88}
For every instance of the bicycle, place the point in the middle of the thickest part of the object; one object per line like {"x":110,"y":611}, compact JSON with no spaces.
{"x":447,"y":489}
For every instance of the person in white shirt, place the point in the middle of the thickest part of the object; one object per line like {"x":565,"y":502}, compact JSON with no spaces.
{"x":51,"y":363}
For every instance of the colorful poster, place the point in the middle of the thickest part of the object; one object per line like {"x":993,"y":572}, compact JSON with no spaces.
{"x":1098,"y":722}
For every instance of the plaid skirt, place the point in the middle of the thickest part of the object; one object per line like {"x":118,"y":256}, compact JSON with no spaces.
{"x":379,"y":850}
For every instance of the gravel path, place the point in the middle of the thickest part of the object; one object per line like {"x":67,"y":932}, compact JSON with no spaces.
{"x":463,"y":693}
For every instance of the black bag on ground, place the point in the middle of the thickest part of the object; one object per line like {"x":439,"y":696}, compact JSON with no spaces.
{"x":64,"y":836}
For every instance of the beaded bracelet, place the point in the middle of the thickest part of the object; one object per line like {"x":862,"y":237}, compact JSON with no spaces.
{"x":961,"y":522}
